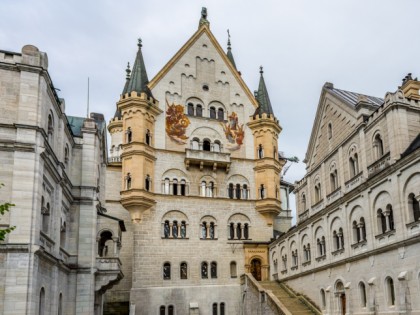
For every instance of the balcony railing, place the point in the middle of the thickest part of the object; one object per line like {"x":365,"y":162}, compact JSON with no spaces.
{"x":304,"y":216}
{"x":379,"y":165}
{"x":115,"y":159}
{"x":108,"y":264}
{"x":207,"y":158}
{"x":334,"y":195}
{"x":354,"y":182}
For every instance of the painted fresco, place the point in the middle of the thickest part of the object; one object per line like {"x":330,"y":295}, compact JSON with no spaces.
{"x":234,"y":132}
{"x":176,"y":123}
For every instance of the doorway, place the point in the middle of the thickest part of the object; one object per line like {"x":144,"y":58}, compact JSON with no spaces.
{"x":256,"y":269}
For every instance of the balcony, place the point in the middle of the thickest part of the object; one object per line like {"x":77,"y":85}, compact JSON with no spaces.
{"x":354,"y":182}
{"x":334,"y":195}
{"x":115,"y":159}
{"x":109,"y":273}
{"x":379,"y":165}
{"x":207,"y":158}
{"x":304,"y":216}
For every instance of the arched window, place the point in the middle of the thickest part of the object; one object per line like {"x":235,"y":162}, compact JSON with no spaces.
{"x":148,"y":137}
{"x":183,"y":229}
{"x":362,"y":227}
{"x":334,"y":180}
{"x":199,"y":111}
{"x":129,"y":135}
{"x":390,"y":291}
{"x":206,"y":145}
{"x":341,"y":238}
{"x":166,"y":229}
{"x":222,"y":308}
{"x":232,"y":231}
{"x":214,"y":309}
{"x":190,"y":107}
{"x":175,"y":229}
{"x":183,"y":187}
{"x":260,"y":151}
{"x":183,"y":270}
{"x":105,"y":244}
{"x":41,"y":306}
{"x":378,"y":146}
{"x":233,"y":271}
{"x":212,"y":113}
{"x":336,"y":241}
{"x":60,"y":304}
{"x":162,"y":310}
{"x":317,"y":192}
{"x":381,"y":221}
{"x":390,"y":217}
{"x":323,"y":300}
{"x":245,"y":191}
{"x":171,"y":310}
{"x":128,"y":181}
{"x":303,"y":202}
{"x":210,"y":189}
{"x":203,"y":188}
{"x":413,"y":206}
{"x":363,"y":299}
{"x":262,"y":191}
{"x":220,"y":114}
{"x":330,"y":131}
{"x":46,"y":218}
{"x":238,"y":191}
{"x":66,"y":154}
{"x":166,"y":271}
{"x":230,"y":191}
{"x":175,"y":186}
{"x":148,"y":183}
{"x":204,"y":230}
{"x":212,"y":230}
{"x":216,"y":146}
{"x":63,"y":235}
{"x":195,"y":144}
{"x":356,"y":236}
{"x":354,"y":165}
{"x":50,"y":128}
{"x":167,"y":186}
{"x":246,"y":231}
{"x":239,"y":231}
{"x":213,"y":270}
{"x":204,"y":270}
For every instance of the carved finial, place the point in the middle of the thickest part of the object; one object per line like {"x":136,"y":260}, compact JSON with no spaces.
{"x":228,"y":39}
{"x":203,"y":19}
{"x":128,"y":71}
{"x":261,"y":70}
{"x":139,"y":43}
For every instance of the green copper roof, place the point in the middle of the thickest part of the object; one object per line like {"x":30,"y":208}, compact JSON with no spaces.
{"x":138,"y":79}
{"x":262,"y":97}
{"x":229,"y":53}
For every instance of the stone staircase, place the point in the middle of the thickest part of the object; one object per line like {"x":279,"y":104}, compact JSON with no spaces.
{"x":296,"y":305}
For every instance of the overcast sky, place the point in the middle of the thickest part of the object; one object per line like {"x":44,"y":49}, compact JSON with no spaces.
{"x":359,"y":45}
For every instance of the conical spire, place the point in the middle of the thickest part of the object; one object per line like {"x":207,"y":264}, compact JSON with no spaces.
{"x":229,"y":52}
{"x":138,"y":79}
{"x":127,"y":79}
{"x":264,"y":104}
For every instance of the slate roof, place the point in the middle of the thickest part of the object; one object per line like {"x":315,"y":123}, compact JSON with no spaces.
{"x":414,"y":145}
{"x":352,"y":98}
{"x":76,"y":124}
{"x":264,"y":103}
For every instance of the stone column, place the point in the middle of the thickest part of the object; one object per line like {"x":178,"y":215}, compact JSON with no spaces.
{"x":386,"y":212}
{"x":171,"y":224}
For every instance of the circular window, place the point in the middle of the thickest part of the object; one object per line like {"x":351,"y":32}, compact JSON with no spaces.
{"x":205,"y":87}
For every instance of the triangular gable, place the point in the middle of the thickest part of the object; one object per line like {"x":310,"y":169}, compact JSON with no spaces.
{"x":203,"y":29}
{"x":341,"y":104}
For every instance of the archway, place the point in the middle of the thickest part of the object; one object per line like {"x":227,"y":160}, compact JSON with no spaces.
{"x":256,"y":269}
{"x":340,"y":293}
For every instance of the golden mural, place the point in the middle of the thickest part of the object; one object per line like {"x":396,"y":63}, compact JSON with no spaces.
{"x":176,"y":123}
{"x":234,"y":132}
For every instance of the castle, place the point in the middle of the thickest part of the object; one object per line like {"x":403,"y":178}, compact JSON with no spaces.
{"x":186,"y":211}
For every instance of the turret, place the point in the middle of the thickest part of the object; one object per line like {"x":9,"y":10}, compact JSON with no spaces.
{"x":266,"y":129}
{"x":138,"y":111}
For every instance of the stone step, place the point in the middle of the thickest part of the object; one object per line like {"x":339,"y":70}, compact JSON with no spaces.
{"x":293,"y":304}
